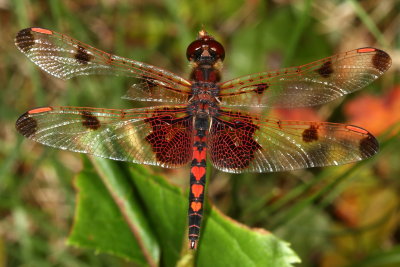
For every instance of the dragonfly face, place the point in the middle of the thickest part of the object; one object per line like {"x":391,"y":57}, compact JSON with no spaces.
{"x":205,"y":49}
{"x":201,"y":119}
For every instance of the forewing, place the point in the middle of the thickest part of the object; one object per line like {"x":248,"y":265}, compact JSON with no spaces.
{"x":308,"y":85}
{"x":65,"y":57}
{"x":239,"y":143}
{"x":159,"y":136}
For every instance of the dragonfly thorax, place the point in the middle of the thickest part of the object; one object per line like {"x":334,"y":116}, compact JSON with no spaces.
{"x":204,"y":98}
{"x":203,"y":106}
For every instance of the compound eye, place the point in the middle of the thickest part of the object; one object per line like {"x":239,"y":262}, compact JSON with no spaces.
{"x":194,"y":49}
{"x":217,"y":48}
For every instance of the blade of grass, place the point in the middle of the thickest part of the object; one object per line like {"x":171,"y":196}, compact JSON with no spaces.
{"x":383,"y":258}
{"x":368,"y":22}
{"x":282,"y":218}
{"x":299,"y":28}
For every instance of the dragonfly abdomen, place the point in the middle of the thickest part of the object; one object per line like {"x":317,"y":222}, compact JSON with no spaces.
{"x":197,"y":180}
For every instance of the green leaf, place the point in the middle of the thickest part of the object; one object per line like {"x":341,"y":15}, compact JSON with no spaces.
{"x":99,"y":223}
{"x":141,"y":217}
{"x":229,"y":243}
{"x":165,"y":207}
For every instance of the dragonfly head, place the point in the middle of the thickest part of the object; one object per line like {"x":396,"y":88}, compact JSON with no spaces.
{"x":205,"y":49}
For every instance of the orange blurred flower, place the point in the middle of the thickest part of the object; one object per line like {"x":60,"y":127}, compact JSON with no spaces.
{"x":375,"y":113}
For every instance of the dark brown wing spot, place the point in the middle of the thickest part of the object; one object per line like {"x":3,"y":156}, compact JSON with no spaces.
{"x":170,"y":137}
{"x":90,"y":121}
{"x":25,"y":40}
{"x":279,"y":123}
{"x":325,"y":70}
{"x":310,"y":134}
{"x":232,"y":142}
{"x":381,"y":60}
{"x":261,"y":88}
{"x":368,"y":146}
{"x":26,"y":125}
{"x":82,"y":56}
{"x":149,"y":84}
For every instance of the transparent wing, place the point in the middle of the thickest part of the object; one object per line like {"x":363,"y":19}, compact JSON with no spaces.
{"x":308,"y":85}
{"x":239,"y":142}
{"x":65,"y":57}
{"x":159,"y":136}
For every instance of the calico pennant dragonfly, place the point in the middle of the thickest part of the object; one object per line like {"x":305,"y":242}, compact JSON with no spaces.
{"x":205,"y":118}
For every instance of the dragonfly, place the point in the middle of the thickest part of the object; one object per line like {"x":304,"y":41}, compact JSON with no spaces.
{"x":202,"y":119}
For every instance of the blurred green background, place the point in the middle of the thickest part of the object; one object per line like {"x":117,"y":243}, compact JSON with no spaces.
{"x":334,"y":216}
